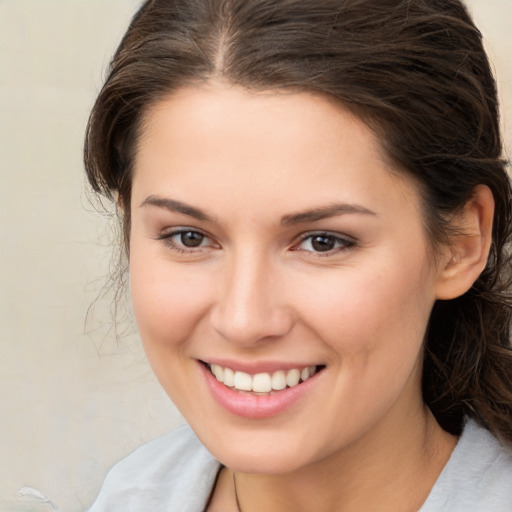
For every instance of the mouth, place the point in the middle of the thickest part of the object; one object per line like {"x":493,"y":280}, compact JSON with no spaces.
{"x":261,"y":395}
{"x":263,"y":383}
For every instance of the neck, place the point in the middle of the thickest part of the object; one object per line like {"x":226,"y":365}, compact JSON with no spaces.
{"x":382,"y":471}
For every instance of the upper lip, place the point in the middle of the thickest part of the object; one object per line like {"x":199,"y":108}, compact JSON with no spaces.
{"x":254,"y":367}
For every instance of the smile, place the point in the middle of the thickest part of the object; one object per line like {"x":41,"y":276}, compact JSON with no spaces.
{"x":264,"y":383}
{"x":260,"y":395}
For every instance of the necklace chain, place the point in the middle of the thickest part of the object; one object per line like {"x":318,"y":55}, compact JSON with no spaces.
{"x":238,"y":507}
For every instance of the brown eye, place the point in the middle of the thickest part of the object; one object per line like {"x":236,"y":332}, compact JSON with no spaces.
{"x":322,"y":243}
{"x":185,"y":240}
{"x":190,"y":238}
{"x":326,"y":243}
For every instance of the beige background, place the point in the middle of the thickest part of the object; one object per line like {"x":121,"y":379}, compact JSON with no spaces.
{"x":72,"y":399}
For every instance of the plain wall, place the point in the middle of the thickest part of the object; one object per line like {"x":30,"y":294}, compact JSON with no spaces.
{"x":73,"y":400}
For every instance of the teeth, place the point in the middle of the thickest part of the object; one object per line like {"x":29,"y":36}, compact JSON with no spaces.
{"x":243,"y":381}
{"x":261,"y":382}
{"x":218,"y":371}
{"x":292,"y":378}
{"x":279,"y":380}
{"x":229,"y":377}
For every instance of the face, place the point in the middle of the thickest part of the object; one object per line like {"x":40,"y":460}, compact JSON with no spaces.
{"x":271,"y":245}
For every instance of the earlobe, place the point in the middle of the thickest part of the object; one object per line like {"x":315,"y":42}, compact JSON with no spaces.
{"x":467,"y":254}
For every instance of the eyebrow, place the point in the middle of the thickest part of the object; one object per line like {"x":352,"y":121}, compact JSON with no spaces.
{"x":313,"y":215}
{"x":332,"y":210}
{"x":178,"y":207}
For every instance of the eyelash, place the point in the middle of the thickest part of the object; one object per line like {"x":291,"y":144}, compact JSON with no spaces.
{"x":342,"y":243}
{"x":167,"y":239}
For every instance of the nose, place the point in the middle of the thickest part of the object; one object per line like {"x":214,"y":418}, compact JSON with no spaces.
{"x":250,"y":306}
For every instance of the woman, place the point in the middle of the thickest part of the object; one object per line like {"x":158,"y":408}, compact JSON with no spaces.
{"x":316,"y":213}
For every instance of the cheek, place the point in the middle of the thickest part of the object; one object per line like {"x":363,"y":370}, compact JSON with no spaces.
{"x":168,"y":307}
{"x":379,"y":312}
{"x":375,"y":328}
{"x":167,"y":302}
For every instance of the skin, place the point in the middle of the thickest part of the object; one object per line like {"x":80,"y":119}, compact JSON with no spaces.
{"x":255,"y":289}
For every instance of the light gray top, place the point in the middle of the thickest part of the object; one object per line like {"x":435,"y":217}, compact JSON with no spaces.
{"x":176,"y":473}
{"x":477,"y":477}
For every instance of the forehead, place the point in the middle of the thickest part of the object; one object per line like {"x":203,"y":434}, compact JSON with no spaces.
{"x":219,"y":114}
{"x":271,"y":148}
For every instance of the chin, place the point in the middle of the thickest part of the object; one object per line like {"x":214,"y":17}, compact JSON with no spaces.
{"x":268,"y":452}
{"x":261,"y":462}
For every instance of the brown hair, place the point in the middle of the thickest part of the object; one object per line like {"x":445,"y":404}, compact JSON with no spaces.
{"x":415,"y":71}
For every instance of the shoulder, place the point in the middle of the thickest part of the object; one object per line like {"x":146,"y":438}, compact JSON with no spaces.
{"x":172,"y":472}
{"x":477,"y":477}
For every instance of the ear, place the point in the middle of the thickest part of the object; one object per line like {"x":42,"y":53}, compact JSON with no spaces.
{"x":466,"y":255}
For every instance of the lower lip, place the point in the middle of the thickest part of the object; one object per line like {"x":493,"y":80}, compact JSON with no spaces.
{"x":256,"y":406}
